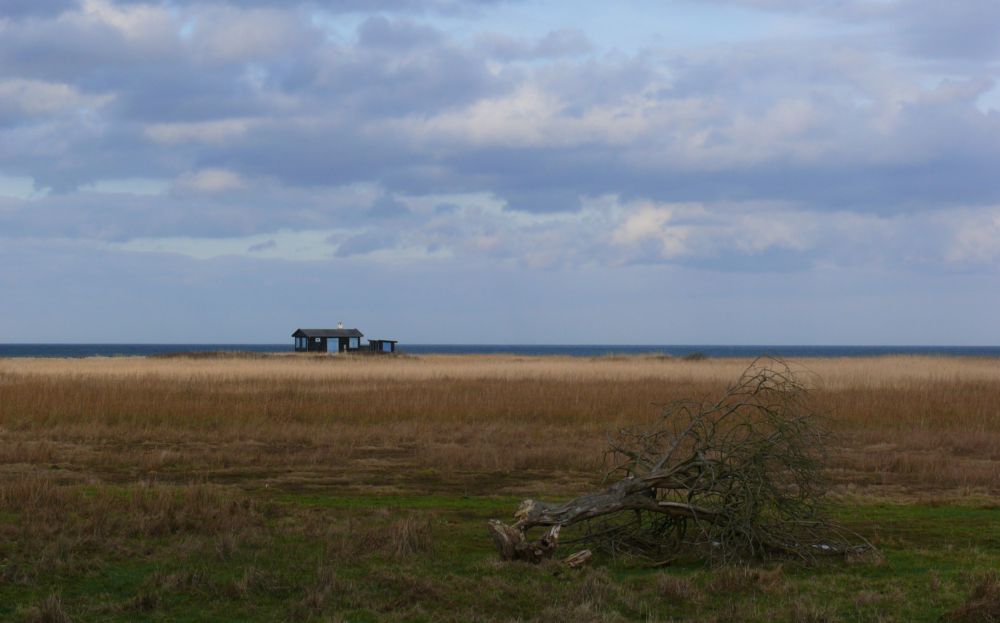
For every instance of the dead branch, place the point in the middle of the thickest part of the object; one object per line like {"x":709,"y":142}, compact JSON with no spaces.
{"x":512,"y":544}
{"x":739,"y":478}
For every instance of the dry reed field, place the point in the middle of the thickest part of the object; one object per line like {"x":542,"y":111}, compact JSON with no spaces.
{"x":336,"y":488}
{"x":901,"y":423}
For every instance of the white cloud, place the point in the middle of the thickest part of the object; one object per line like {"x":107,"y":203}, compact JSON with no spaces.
{"x":39,"y":98}
{"x":16,"y":186}
{"x":230,"y":34}
{"x":206,"y":132}
{"x":976,"y":237}
{"x":700,"y":231}
{"x":534,"y":116}
{"x":146,"y":24}
{"x":211,"y":181}
{"x":652,"y":222}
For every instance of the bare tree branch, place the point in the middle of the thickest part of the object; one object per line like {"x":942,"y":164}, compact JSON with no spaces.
{"x":739,"y":478}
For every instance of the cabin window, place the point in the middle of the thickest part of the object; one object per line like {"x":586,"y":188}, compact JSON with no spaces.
{"x":352,"y":342}
{"x":386,"y":347}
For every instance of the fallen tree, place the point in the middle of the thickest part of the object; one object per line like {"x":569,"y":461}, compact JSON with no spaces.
{"x":737,"y":479}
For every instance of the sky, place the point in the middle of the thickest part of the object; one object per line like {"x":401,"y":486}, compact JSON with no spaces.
{"x":496,"y":171}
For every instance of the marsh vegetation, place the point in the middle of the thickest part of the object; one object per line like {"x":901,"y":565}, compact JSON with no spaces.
{"x":335,"y":488}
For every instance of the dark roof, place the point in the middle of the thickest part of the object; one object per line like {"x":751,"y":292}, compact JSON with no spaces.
{"x":393,"y":341}
{"x":327,"y":333}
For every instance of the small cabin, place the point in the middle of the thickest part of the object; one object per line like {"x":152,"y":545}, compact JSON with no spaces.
{"x":382,"y":346}
{"x":337,"y":340}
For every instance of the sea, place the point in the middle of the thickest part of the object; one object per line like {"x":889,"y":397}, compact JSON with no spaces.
{"x":572,"y":350}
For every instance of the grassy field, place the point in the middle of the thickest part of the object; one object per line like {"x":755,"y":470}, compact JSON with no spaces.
{"x":261,"y":488}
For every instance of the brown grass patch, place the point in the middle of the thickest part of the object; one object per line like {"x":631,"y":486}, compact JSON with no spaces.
{"x":366,"y":536}
{"x":675,"y":589}
{"x":901,"y":422}
{"x":49,"y":611}
{"x":983,"y":604}
{"x":326,"y":587}
{"x":742,"y":579}
{"x":78,"y":528}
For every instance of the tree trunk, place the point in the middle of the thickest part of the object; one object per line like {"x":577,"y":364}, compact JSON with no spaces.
{"x":630,"y":494}
{"x":512,"y":544}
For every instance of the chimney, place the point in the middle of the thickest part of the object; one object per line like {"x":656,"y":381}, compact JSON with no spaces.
{"x":340,"y":325}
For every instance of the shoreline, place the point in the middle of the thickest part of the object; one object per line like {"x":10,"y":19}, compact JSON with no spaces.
{"x":716,"y":351}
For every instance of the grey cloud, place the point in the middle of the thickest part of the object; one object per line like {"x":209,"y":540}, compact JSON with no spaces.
{"x":964,"y":29}
{"x":366,"y":6}
{"x":76,"y":46}
{"x":34,"y":8}
{"x":321,"y":115}
{"x":401,"y":69}
{"x":955,"y":30}
{"x":555,"y":44}
{"x":306,"y":133}
{"x":262,"y":246}
{"x":119,"y":217}
{"x":382,"y":33}
{"x":542,"y":200}
{"x":387,"y":207}
{"x":316,"y":83}
{"x":367,"y":242}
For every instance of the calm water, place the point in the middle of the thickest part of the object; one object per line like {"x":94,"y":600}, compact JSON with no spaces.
{"x":578,"y":350}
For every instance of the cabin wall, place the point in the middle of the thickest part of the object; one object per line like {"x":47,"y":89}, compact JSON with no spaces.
{"x":327,"y":344}
{"x":385,"y":347}
{"x":341,"y":344}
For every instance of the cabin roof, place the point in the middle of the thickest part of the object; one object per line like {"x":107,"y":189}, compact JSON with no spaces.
{"x":327,"y":333}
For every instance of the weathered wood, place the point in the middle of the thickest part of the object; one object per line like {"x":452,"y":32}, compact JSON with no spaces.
{"x":512,"y":544}
{"x":630,"y":494}
{"x":578,"y":559}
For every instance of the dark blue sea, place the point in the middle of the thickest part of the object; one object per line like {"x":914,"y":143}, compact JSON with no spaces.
{"x":575,"y":350}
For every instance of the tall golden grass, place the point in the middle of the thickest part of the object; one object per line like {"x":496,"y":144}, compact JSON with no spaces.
{"x":901,"y":422}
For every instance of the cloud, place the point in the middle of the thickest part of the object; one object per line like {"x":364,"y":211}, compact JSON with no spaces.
{"x":262,"y":246}
{"x":566,"y":42}
{"x":976,"y":238}
{"x":651,"y":223}
{"x":961,"y":29}
{"x":404,"y":134}
{"x":694,"y":233}
{"x":387,"y":207}
{"x":248,"y":300}
{"x":226,"y":34}
{"x":210,"y":132}
{"x":24,"y":99}
{"x":210,"y":181}
{"x":34,"y":8}
{"x":361,"y":244}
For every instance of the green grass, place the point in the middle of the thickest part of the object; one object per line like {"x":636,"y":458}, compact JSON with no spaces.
{"x":299,"y":560}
